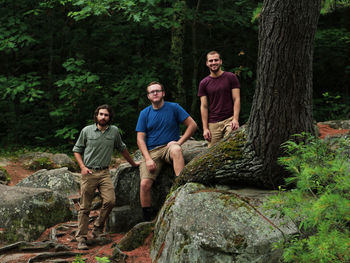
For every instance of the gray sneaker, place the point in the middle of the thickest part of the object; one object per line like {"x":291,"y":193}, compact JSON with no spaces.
{"x":82,"y":245}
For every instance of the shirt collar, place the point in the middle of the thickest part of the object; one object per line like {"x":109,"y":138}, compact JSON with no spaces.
{"x":97,"y":129}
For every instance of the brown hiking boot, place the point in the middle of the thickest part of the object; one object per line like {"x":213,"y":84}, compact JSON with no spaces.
{"x":82,"y":245}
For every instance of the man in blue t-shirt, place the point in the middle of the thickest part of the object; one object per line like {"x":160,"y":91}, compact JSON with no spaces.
{"x":158,"y":138}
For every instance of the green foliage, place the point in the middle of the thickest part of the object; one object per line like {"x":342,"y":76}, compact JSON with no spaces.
{"x":102,"y":259}
{"x":256,"y":13}
{"x":331,"y":107}
{"x":25,"y":88}
{"x":78,"y":84}
{"x":79,"y":259}
{"x":319,"y":204}
{"x":329,"y":6}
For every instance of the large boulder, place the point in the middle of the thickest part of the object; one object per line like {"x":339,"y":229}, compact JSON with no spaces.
{"x":126,"y":179}
{"x":200,"y":224}
{"x":61,"y":180}
{"x":26,"y":212}
{"x":43,"y":160}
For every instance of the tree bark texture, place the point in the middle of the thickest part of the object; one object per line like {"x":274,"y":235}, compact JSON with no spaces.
{"x":177,"y":42}
{"x":229,"y":162}
{"x":282,"y":104}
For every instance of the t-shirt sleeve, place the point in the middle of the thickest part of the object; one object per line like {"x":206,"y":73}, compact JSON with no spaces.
{"x":235,"y":82}
{"x":181,"y":113}
{"x":81,"y":142}
{"x":141,"y":125}
{"x":201,"y":90}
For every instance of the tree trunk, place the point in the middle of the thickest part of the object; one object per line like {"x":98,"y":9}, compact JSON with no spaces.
{"x":282,"y":104}
{"x":195,"y":59}
{"x":176,"y":55}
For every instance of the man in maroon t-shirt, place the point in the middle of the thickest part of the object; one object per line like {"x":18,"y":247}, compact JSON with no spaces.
{"x":221,"y":91}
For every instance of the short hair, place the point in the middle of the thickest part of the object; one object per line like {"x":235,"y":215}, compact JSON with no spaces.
{"x":107,"y":107}
{"x":154,"y":83}
{"x":213,"y":52}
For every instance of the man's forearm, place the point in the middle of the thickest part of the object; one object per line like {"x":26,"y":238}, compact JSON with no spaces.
{"x":127,"y":157}
{"x":79,"y":160}
{"x":236,"y":109}
{"x":143,"y":148}
{"x":204,"y":115}
{"x":190,"y":130}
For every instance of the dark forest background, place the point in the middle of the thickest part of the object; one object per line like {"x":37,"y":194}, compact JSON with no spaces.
{"x":59,"y":60}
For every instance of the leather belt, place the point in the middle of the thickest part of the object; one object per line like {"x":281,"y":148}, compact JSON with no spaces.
{"x":98,"y":168}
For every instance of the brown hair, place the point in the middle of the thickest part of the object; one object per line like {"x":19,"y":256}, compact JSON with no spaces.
{"x":154,"y":83}
{"x":213,"y":52}
{"x":107,"y":107}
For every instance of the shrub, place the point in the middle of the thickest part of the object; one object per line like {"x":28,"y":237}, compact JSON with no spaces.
{"x":320,"y":202}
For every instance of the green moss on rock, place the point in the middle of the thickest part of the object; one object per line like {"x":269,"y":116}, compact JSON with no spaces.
{"x":7,"y":176}
{"x":213,"y":159}
{"x":42,"y":163}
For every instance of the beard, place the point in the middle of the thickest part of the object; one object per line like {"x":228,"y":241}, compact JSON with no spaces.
{"x":102,"y":123}
{"x":215,"y":70}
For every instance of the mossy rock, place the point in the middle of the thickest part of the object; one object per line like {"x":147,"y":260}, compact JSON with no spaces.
{"x":42,"y":160}
{"x":25,"y":213}
{"x":136,"y":236}
{"x":41,"y":163}
{"x":4,"y":176}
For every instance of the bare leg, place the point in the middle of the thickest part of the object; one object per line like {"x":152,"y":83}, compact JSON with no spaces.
{"x":145,"y":192}
{"x":178,"y":159}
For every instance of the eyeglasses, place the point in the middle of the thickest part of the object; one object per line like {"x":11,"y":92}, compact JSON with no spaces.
{"x":155,"y":91}
{"x":213,"y":60}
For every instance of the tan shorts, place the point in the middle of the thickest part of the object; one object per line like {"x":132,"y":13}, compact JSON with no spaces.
{"x":219,"y":130}
{"x":159,"y":155}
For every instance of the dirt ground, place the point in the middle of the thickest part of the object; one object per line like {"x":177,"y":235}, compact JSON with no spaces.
{"x":139,"y":255}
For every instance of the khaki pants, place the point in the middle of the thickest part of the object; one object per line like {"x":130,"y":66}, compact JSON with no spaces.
{"x":159,"y":155}
{"x":219,"y":130}
{"x":102,"y":181}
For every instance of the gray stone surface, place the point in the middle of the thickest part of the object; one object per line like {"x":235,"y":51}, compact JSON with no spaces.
{"x":126,"y":180}
{"x":26,"y":212}
{"x":199,"y":224}
{"x":45,"y":160}
{"x":61,"y":180}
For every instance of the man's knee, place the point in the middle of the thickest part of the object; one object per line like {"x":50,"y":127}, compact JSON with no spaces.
{"x":110,"y":202}
{"x":176,"y":152}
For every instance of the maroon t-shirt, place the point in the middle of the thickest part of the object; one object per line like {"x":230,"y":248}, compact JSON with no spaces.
{"x":219,"y":93}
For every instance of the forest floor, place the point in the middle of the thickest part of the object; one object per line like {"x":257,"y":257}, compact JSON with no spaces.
{"x":17,"y":171}
{"x":140,"y":255}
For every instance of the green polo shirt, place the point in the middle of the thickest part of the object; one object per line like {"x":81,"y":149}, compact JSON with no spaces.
{"x":97,"y":147}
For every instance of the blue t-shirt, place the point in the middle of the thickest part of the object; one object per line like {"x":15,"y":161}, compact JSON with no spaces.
{"x":161,"y":125}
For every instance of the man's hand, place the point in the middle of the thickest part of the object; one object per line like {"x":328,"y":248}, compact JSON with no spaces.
{"x":172,"y":142}
{"x":234,"y":124}
{"x":207,"y":135}
{"x":85,"y":171}
{"x":137,"y":164}
{"x":151,"y":165}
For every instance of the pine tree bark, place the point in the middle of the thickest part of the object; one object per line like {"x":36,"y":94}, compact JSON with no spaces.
{"x":282,"y":104}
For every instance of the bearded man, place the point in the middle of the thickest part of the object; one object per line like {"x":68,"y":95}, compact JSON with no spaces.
{"x":93,"y":151}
